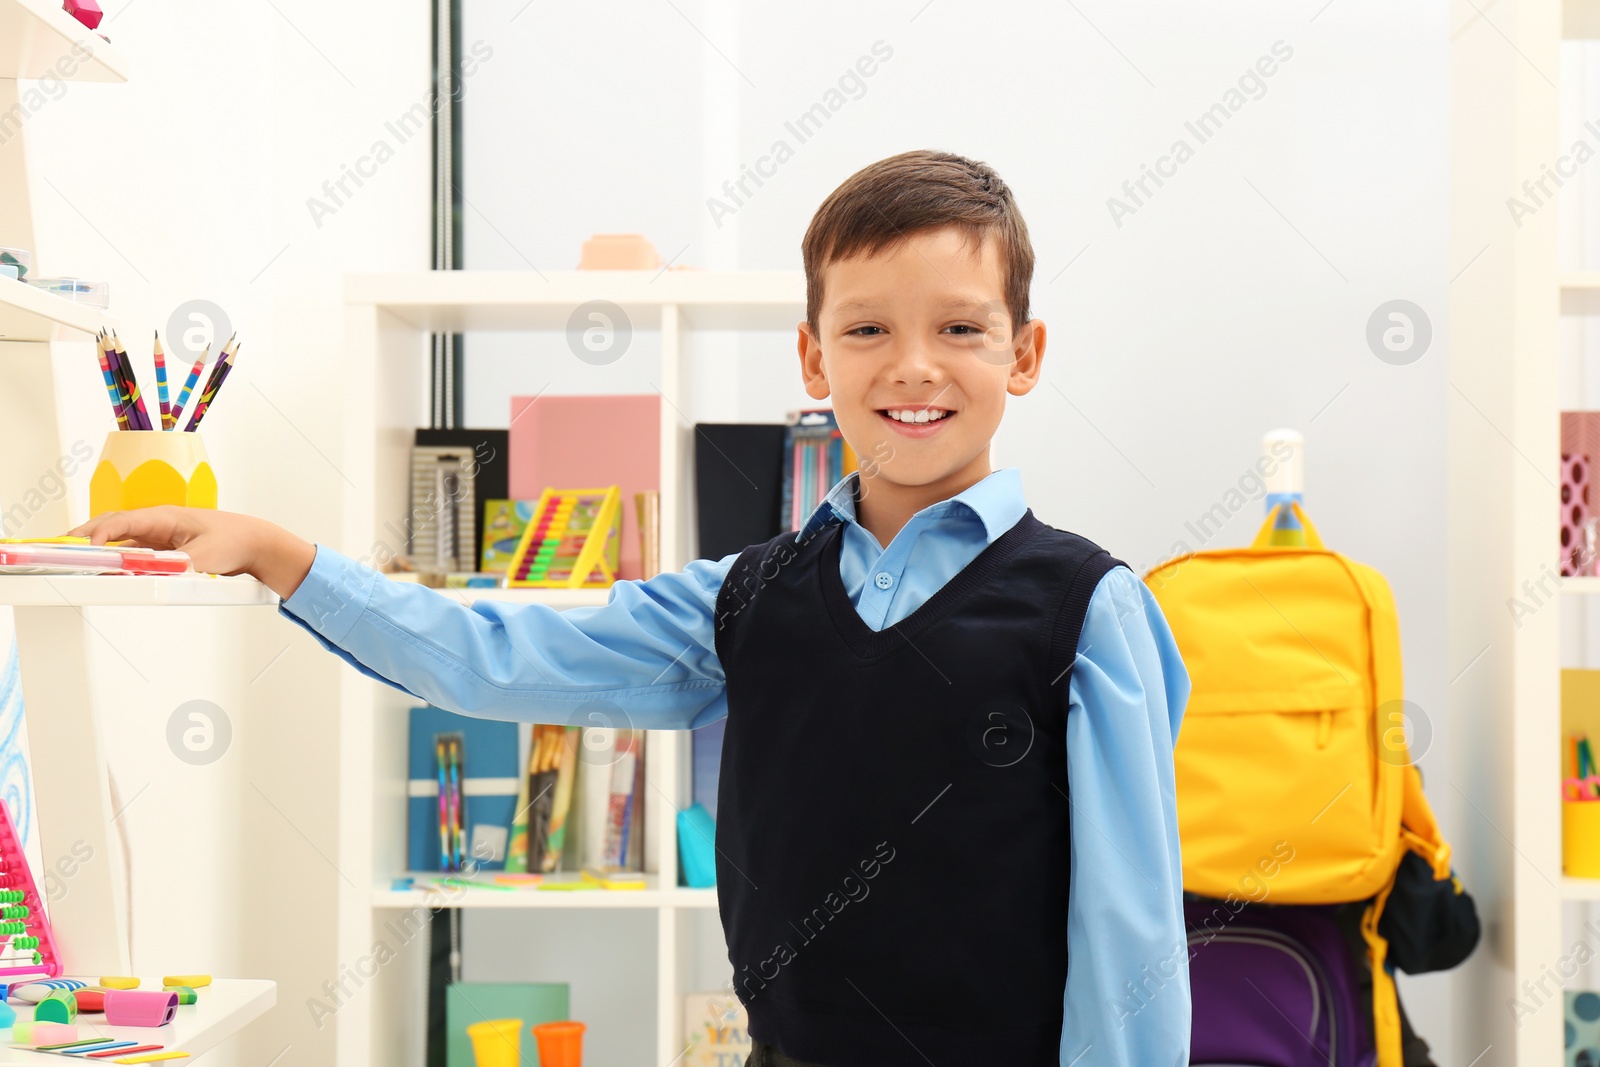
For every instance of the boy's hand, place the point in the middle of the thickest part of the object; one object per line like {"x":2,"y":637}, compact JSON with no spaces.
{"x":218,"y":542}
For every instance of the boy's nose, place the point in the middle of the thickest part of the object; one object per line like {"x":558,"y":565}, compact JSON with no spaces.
{"x":915,"y":364}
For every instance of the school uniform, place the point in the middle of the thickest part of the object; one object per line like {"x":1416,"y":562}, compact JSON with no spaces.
{"x":947,"y":826}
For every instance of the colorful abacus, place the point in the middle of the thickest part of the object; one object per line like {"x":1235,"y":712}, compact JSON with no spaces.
{"x":26,"y":944}
{"x":572,"y":542}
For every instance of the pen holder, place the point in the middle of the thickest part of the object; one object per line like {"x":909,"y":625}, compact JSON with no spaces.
{"x":143,"y":468}
{"x":1580,"y":838}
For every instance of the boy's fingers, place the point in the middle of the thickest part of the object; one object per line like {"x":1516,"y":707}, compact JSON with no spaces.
{"x":141,"y":526}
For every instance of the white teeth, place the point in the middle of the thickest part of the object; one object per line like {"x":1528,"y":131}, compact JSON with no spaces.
{"x":916,"y":415}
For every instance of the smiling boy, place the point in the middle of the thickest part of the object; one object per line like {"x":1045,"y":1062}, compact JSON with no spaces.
{"x":947,"y":828}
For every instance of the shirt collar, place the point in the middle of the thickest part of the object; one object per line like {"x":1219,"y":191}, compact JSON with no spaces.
{"x":996,"y":501}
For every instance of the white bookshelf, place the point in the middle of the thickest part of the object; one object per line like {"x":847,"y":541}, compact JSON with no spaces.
{"x":388,"y":319}
{"x":31,"y":314}
{"x":129,"y":590}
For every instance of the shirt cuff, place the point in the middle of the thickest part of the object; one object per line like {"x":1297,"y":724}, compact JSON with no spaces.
{"x":333,"y":595}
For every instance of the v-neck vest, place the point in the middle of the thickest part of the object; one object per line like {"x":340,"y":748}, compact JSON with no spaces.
{"x":893,"y":819}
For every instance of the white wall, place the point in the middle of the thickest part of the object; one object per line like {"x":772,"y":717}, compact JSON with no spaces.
{"x":191,"y":181}
{"x":1234,"y":300}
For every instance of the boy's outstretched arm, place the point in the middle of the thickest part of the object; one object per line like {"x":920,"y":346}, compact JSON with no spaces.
{"x":1127,"y":999}
{"x":647,"y":659}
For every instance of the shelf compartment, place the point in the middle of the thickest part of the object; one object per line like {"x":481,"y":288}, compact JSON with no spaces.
{"x":651,"y":896}
{"x":458,"y":301}
{"x":30,"y":314}
{"x":35,"y":35}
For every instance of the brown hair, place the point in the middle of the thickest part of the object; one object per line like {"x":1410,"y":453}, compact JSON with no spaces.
{"x":881,"y":205}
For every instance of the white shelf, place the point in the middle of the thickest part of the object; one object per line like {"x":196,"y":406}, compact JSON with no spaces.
{"x":37,"y":35}
{"x":220,"y":1010}
{"x":31,"y":314}
{"x":457,"y":301}
{"x":651,"y":896}
{"x":1582,"y":586}
{"x":1580,"y":888}
{"x":555,"y":598}
{"x":127,"y":590}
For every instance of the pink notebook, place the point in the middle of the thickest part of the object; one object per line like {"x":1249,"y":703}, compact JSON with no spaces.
{"x":586,"y":442}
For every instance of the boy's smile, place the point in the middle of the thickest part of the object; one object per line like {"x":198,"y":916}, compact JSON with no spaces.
{"x":917,"y":350}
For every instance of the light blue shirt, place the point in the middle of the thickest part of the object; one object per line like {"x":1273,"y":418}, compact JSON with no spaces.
{"x":651,"y":652}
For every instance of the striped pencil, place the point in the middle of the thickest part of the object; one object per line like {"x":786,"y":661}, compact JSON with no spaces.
{"x":133,"y":385}
{"x":111,"y":383}
{"x":161,"y":383}
{"x":188,"y":384}
{"x":219,"y":374}
{"x":119,"y":370}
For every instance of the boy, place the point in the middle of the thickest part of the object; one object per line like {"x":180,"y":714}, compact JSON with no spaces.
{"x":948,"y":761}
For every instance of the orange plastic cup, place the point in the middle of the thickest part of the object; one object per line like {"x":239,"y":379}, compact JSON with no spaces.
{"x":497,"y":1042}
{"x":560,"y":1044}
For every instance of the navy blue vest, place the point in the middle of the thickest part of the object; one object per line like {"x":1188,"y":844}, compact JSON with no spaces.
{"x":893,"y":835}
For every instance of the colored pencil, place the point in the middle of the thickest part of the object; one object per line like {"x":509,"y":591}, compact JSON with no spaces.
{"x":444,"y":803}
{"x":194,"y":376}
{"x":161,"y":383}
{"x":116,"y":394}
{"x":133,"y":384}
{"x":120,"y":371}
{"x":219,"y":374}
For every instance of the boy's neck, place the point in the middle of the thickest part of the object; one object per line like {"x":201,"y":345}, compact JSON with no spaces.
{"x":883,"y":507}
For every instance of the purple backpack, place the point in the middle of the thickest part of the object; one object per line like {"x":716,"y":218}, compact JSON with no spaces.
{"x":1275,"y":987}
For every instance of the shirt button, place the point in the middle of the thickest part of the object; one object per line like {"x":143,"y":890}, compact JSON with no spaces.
{"x":883,"y":580}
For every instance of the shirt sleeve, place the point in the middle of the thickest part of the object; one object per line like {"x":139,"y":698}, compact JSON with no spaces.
{"x":647,"y":659}
{"x":1127,"y":997}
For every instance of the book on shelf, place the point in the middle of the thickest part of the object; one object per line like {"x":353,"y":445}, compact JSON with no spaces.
{"x":716,"y":1031}
{"x":738,"y":485}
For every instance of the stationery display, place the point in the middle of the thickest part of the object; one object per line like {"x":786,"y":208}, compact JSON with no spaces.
{"x":128,"y":404}
{"x":491,"y":467}
{"x":544,"y":800}
{"x":815,"y":458}
{"x":716,"y":1030}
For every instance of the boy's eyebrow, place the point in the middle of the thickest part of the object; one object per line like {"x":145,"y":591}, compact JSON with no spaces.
{"x":955,"y":302}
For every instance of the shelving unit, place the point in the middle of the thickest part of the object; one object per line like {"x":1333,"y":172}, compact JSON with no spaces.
{"x":73,"y":803}
{"x":388,"y":319}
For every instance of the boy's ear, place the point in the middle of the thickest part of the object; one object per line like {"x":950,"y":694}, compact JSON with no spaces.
{"x":1029,"y":352}
{"x":811,"y":369}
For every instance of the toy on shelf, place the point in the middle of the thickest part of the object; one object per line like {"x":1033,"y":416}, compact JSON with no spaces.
{"x":85,"y":11}
{"x":26,"y":943}
{"x":573,"y":541}
{"x":560,"y":1043}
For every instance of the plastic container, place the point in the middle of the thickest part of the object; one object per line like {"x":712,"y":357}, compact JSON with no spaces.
{"x":497,"y":1043}
{"x":560,"y":1044}
{"x":20,"y":258}
{"x":143,"y":468}
{"x":92,"y":294}
{"x":1580,"y":838}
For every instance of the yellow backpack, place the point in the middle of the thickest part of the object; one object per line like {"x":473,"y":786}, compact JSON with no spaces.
{"x":1295,"y":784}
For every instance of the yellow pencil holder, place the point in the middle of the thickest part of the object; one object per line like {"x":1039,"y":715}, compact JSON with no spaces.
{"x":1580,"y":838}
{"x":143,"y":468}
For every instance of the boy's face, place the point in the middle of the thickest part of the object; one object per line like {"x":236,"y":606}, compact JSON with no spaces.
{"x":916,"y":348}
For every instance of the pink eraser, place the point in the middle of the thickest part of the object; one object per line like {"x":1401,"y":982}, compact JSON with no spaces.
{"x":85,"y":11}
{"x":140,"y":1007}
{"x":30,"y":1033}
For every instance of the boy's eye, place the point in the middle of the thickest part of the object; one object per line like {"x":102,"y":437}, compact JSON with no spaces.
{"x":866,"y":331}
{"x":963,"y":329}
